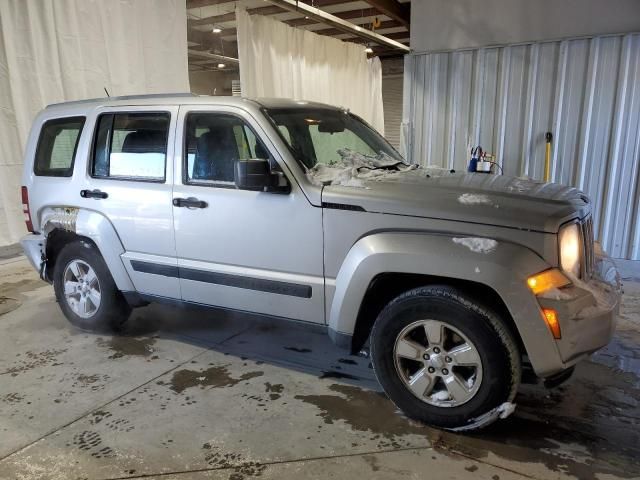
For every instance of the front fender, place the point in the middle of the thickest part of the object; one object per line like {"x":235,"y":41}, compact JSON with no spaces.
{"x":95,"y":226}
{"x":504,"y":268}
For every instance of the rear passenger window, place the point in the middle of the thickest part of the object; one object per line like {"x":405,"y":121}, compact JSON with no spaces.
{"x":131,"y":146}
{"x":57,"y":147}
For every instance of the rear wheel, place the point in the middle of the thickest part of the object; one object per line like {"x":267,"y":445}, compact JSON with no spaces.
{"x":445,"y":360}
{"x":85,"y":290}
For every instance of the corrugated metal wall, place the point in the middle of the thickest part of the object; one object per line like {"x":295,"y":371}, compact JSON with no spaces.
{"x":585,"y":91}
{"x":392,"y":106}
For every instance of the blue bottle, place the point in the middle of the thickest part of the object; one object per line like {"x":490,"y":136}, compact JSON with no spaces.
{"x":473,"y":163}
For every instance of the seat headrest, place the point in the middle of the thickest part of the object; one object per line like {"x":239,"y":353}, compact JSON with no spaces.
{"x":145,"y":141}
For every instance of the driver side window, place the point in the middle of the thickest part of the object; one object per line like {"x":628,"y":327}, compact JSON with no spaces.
{"x":213,"y":144}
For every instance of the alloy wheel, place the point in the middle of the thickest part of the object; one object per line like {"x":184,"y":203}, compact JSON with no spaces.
{"x":81,"y":288}
{"x":437,"y":363}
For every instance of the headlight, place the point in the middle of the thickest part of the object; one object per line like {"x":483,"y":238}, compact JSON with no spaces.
{"x":570,"y":249}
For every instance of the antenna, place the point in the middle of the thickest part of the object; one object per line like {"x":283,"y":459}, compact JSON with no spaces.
{"x":105,"y":91}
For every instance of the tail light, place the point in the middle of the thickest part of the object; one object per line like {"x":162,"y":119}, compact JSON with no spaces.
{"x":25,"y":209}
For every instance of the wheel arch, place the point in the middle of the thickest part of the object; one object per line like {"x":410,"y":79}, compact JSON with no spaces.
{"x":62,"y":225}
{"x":387,"y":286}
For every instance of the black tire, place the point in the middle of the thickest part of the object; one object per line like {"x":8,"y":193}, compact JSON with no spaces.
{"x":497,"y":349}
{"x":113,"y":310}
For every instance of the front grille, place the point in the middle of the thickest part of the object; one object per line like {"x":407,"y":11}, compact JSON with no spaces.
{"x":588,"y":257}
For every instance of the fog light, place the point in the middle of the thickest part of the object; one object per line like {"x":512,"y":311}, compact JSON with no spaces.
{"x":551,"y":317}
{"x":543,"y":281}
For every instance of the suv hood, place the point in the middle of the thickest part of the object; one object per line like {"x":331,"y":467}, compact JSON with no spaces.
{"x":477,"y":198}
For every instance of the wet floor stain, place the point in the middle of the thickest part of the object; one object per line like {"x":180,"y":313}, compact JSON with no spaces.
{"x":364,"y":411}
{"x":240,"y":467}
{"x":8,"y":304}
{"x":298,"y":349}
{"x":98,"y":416}
{"x":335,"y":374}
{"x":32,"y":360}
{"x":91,"y":442}
{"x":347,"y":361}
{"x":13,"y":289}
{"x":93,"y":382}
{"x":128,"y":346}
{"x":11,"y":398}
{"x":274,"y":390}
{"x":543,"y":430}
{"x":213,"y":377}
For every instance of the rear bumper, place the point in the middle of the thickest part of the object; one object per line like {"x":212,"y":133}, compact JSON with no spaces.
{"x":33,"y":245}
{"x":587,"y":313}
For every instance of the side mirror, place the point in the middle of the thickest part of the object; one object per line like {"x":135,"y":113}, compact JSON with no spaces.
{"x":256,"y":175}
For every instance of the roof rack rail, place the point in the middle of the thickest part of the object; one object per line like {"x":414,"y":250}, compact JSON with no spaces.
{"x":124,"y":97}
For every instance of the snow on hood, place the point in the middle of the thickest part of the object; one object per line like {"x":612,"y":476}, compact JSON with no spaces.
{"x":474,"y":199}
{"x":476,"y":244}
{"x":354,"y":168}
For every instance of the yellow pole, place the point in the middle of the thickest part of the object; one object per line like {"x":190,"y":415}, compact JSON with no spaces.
{"x":547,"y":157}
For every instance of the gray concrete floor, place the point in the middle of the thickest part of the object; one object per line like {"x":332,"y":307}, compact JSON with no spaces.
{"x":194,"y":394}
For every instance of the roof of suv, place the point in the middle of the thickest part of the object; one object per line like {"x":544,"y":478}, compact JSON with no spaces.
{"x":189,"y":99}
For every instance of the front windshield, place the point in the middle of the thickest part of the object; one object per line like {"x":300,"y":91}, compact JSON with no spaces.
{"x":315,"y":135}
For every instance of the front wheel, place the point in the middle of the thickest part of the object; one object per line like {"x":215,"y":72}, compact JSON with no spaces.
{"x":445,"y":360}
{"x":85,"y":290}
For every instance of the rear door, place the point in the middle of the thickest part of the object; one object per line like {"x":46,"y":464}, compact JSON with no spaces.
{"x":252,"y":251}
{"x":130,"y":181}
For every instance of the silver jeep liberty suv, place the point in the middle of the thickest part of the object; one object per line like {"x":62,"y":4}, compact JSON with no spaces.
{"x":456,"y":283}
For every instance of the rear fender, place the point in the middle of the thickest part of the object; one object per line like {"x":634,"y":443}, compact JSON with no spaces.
{"x":95,"y":226}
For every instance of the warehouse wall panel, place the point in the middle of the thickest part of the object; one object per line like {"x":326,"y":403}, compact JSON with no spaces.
{"x":586,"y":91}
{"x":392,"y":107}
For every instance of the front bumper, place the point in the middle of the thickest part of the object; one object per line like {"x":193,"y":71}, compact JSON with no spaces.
{"x":587,"y":312}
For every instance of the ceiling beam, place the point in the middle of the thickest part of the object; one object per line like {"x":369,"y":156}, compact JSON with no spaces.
{"x":386,"y":52}
{"x":330,"y":32}
{"x":393,"y":36}
{"x":274,"y":9}
{"x":212,"y":56}
{"x":393,"y":9}
{"x":383,"y":25}
{"x":338,"y":21}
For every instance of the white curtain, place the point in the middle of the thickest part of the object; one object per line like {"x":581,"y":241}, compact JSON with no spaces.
{"x":277,"y":60}
{"x":57,"y":50}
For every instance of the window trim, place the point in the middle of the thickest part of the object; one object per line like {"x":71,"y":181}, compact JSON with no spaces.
{"x":185,"y":153}
{"x":94,"y":139}
{"x":69,"y":171}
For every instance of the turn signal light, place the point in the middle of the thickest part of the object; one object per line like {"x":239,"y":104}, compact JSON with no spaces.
{"x":551,"y":317}
{"x":543,"y":281}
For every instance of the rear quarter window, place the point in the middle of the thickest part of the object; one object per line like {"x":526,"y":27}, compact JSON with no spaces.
{"x":57,"y":146}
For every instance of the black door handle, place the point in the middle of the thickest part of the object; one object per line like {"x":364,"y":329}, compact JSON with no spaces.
{"x":190,"y":202}
{"x":97,"y":194}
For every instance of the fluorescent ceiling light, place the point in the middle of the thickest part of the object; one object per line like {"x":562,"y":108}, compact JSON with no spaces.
{"x":217,"y":29}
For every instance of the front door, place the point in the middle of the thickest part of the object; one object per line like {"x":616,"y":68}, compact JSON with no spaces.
{"x":251,"y":251}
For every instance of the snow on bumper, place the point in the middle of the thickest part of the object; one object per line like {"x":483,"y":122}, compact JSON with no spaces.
{"x":587,"y":312}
